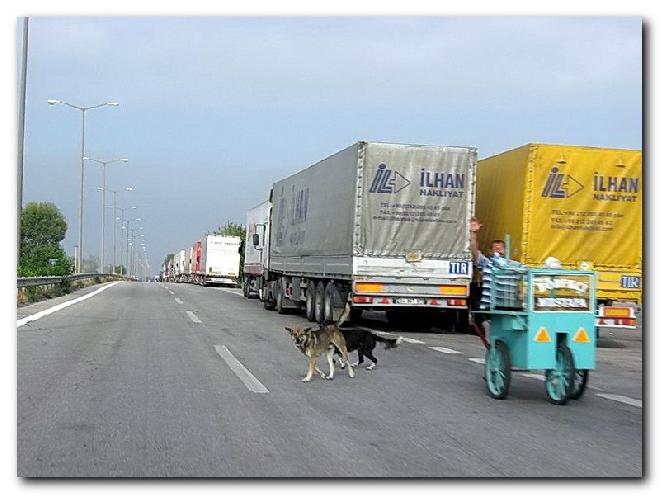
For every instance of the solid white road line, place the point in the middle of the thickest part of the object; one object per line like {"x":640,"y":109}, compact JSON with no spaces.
{"x":445,"y":350}
{"x":66,"y":304}
{"x":477,"y":360}
{"x":193,"y":317}
{"x":178,"y":300}
{"x":379,"y":332}
{"x":248,"y":379}
{"x":621,"y":398}
{"x":411,"y":341}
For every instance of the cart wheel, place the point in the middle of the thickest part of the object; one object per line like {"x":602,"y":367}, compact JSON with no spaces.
{"x":579,"y":383}
{"x":498,"y":370}
{"x":559,"y":381}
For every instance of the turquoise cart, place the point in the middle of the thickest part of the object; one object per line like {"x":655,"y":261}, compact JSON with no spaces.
{"x":541,"y":319}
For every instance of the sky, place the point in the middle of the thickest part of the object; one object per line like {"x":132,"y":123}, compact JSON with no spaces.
{"x":213,"y":110}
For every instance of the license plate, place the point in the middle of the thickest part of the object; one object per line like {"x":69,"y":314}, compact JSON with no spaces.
{"x":409,"y":300}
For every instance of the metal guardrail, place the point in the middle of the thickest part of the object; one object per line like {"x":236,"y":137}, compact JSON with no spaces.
{"x":37,"y":281}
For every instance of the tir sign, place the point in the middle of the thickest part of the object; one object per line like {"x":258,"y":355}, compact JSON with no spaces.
{"x":630,"y":282}
{"x":458,"y":267}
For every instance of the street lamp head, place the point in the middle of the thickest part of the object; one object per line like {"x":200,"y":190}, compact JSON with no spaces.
{"x":54,"y":102}
{"x":133,"y":207}
{"x":113,"y":103}
{"x":99,"y":189}
{"x":123,"y":159}
{"x":130,"y":188}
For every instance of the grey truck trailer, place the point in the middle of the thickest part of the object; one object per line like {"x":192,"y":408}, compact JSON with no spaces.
{"x":376,"y":226}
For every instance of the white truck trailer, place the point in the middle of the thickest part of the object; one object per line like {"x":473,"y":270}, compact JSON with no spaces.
{"x":219,"y":261}
{"x":375,"y":226}
{"x":183,"y":266}
{"x":174,"y":277}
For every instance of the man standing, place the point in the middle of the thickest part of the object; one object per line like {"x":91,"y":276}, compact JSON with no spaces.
{"x":480,"y":293}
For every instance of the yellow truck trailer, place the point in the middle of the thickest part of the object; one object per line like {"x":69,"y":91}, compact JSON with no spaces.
{"x":580,"y":205}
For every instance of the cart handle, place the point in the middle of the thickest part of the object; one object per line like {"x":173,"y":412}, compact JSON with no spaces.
{"x":481,"y":332}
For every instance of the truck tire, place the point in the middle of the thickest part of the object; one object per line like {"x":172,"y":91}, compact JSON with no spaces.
{"x":459,"y":322}
{"x":246,"y":288}
{"x":269,"y":305}
{"x":319,"y":302}
{"x":395,"y":318}
{"x":309,"y":302}
{"x":279,"y":299}
{"x":356,"y":314}
{"x":330,"y":297}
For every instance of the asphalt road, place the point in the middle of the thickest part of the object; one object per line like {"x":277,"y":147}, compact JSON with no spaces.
{"x":149,"y":380}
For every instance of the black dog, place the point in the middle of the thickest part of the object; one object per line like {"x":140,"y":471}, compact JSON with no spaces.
{"x":364,"y":342}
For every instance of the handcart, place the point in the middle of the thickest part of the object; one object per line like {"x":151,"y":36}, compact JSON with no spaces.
{"x":539,"y":319}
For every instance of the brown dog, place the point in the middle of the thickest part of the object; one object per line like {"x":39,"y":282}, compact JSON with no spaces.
{"x":316,"y":343}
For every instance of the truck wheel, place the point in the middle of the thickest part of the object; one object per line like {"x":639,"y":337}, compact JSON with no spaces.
{"x":268,"y":304}
{"x":331,"y":296}
{"x":356,"y":314}
{"x":319,"y":302}
{"x":246,"y":288}
{"x":459,"y":322}
{"x":395,"y":318}
{"x":309,"y":302}
{"x":279,"y":299}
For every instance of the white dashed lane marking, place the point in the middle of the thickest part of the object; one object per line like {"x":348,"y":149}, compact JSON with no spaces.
{"x":535,"y":376}
{"x":193,"y":317}
{"x":621,"y":398}
{"x":411,"y":341}
{"x":178,"y":300}
{"x":445,"y":350}
{"x":477,"y":360}
{"x":248,"y":379}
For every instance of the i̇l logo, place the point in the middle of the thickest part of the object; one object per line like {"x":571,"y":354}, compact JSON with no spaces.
{"x":388,"y":181}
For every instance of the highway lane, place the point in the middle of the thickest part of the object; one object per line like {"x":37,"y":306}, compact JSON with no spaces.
{"x":135,"y":381}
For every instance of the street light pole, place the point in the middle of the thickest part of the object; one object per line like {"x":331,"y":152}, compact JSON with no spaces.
{"x":82,"y":169}
{"x":21,"y":136}
{"x":104,"y":164}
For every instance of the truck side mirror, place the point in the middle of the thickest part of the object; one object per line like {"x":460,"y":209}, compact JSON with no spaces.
{"x":255,"y":240}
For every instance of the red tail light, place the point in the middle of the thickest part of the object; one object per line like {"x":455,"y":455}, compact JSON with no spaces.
{"x":362,"y":299}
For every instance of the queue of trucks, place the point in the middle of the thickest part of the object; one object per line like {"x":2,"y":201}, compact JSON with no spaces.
{"x":214,"y":259}
{"x":386,"y":227}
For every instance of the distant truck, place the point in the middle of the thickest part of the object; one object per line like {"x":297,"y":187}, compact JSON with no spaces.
{"x":217,"y":260}
{"x":580,"y":205}
{"x":183,"y":261}
{"x":375,"y":226}
{"x":256,"y":249}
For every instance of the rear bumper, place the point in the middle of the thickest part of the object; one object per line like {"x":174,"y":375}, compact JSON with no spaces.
{"x":385,"y":301}
{"x":220,"y":280}
{"x":439,"y":293}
